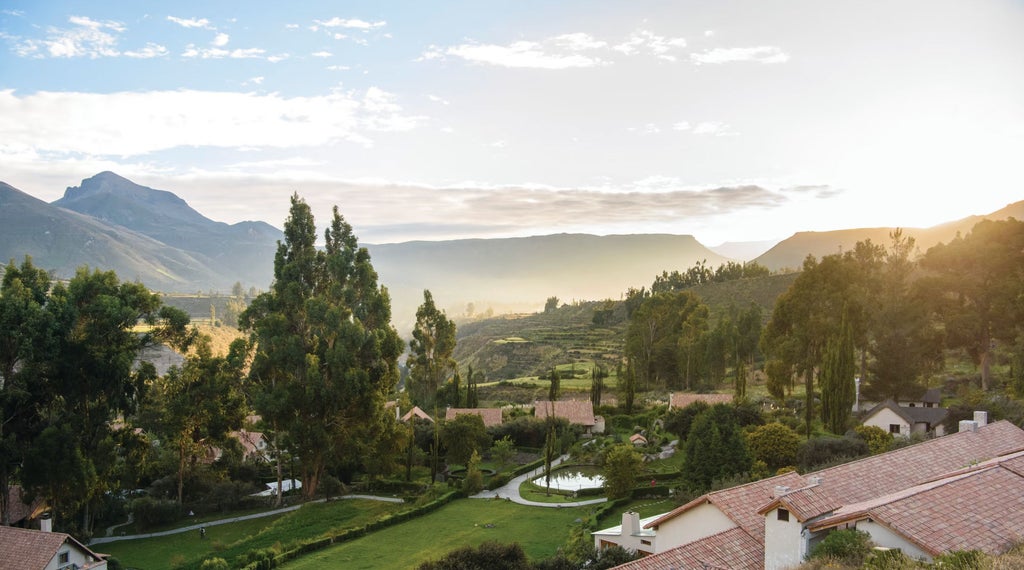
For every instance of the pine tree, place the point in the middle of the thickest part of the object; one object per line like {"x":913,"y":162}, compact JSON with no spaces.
{"x":837,"y":385}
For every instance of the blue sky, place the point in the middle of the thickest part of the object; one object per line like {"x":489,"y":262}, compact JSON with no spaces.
{"x":731,"y":120}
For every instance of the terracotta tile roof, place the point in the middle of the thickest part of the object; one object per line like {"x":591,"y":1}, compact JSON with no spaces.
{"x":637,"y":439}
{"x":250,"y":441}
{"x":683,"y":399}
{"x":418,"y":413}
{"x":18,"y":508}
{"x":733,"y":549}
{"x":491,"y":416}
{"x":739,"y":503}
{"x":580,"y":412}
{"x":25,"y":549}
{"x":981,"y":508}
{"x":805,"y":503}
{"x":890,"y":472}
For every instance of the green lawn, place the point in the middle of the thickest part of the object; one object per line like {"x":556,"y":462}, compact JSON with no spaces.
{"x":466,"y":522}
{"x":231,"y":540}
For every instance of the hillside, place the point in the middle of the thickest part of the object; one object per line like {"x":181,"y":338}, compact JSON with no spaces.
{"x":790,"y":253}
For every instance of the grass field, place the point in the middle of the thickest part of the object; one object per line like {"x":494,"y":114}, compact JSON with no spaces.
{"x":231,"y":540}
{"x":466,"y":522}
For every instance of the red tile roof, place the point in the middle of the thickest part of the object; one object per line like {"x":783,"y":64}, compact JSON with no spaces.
{"x":491,"y":416}
{"x":579,"y":412}
{"x":806,"y":503}
{"x":733,"y":549}
{"x":683,"y":399}
{"x":18,"y":508}
{"x":418,"y":413}
{"x":25,"y":549}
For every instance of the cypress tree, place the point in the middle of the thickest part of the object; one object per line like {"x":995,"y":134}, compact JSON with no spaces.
{"x":837,"y":386}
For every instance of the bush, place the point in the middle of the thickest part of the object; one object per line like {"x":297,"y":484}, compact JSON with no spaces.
{"x":488,"y":555}
{"x":775,"y":444}
{"x":844,"y":546}
{"x":823,"y":450}
{"x":877,"y":439}
{"x":215,"y":564}
{"x":150,"y":512}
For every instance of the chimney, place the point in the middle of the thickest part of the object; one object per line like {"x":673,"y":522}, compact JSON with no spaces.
{"x":780,"y":490}
{"x":816,"y":480}
{"x":630,"y":524}
{"x":981,"y":418}
{"x":46,"y":522}
{"x":968,"y":425}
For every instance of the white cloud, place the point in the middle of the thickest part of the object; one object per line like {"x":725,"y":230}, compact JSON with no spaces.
{"x":277,"y":58}
{"x":352,"y":23}
{"x":322,"y":54}
{"x":258,"y":80}
{"x":760,"y":54}
{"x":135,"y":124}
{"x":191,"y":22}
{"x":681,"y":126}
{"x":221,"y":40}
{"x":578,"y":42}
{"x":150,"y":51}
{"x":521,"y":54}
{"x":338,"y":68}
{"x":713,"y":128}
{"x":437,"y":99}
{"x":89,"y":38}
{"x":291,"y":26}
{"x":645,"y":41}
{"x":193,"y":51}
{"x":648,"y":129}
{"x":15,"y":13}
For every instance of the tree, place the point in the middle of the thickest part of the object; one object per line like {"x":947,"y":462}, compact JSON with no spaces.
{"x":326,"y":354}
{"x":774,"y":444}
{"x":655,"y":328}
{"x":197,"y":404}
{"x":554,"y":388}
{"x":837,"y":386}
{"x":622,"y":466}
{"x":431,"y":347}
{"x":597,"y":376}
{"x":627,"y":387}
{"x":715,"y":448}
{"x":502,"y":450}
{"x":472,"y":399}
{"x":474,"y":477}
{"x":462,"y":436}
{"x":975,"y":284}
{"x":550,"y":452}
{"x":678,"y":421}
{"x":551,"y":304}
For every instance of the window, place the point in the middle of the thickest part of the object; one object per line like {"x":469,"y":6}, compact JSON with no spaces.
{"x":913,"y":405}
{"x":783,"y":515}
{"x":894,"y":428}
{"x":645,"y":542}
{"x":63,"y":558}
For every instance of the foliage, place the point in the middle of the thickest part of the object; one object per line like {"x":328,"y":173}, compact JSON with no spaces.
{"x":149,"y":512}
{"x":326,"y":353}
{"x":431,"y":348}
{"x":622,"y":466}
{"x":715,"y":448}
{"x":663,"y":338}
{"x":774,"y":444}
{"x":845,"y":546}
{"x":823,"y":450}
{"x":463,"y":436}
{"x":550,"y":304}
{"x":474,"y":477}
{"x":837,"y":386}
{"x":877,"y":439}
{"x":488,"y":555}
{"x":554,"y":388}
{"x":678,"y":421}
{"x":526,"y":431}
{"x":502,"y":450}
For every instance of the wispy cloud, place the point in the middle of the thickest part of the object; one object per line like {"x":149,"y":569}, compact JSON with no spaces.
{"x":645,"y":41}
{"x":191,"y":22}
{"x":150,"y":51}
{"x":322,"y":54}
{"x":559,"y":52}
{"x":193,"y":51}
{"x":760,"y":54}
{"x":68,"y":122}
{"x":221,"y":40}
{"x":349,"y":23}
{"x":88,"y":38}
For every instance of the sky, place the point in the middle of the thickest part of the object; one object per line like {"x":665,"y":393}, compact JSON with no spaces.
{"x":727,"y":120}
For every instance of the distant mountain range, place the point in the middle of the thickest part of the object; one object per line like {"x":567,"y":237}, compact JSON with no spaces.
{"x":153,"y":236}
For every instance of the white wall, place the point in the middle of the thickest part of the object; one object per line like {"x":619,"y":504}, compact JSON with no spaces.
{"x":783,"y":544}
{"x":699,"y":522}
{"x":882,"y":418}
{"x":882,"y":536}
{"x":75,"y":556}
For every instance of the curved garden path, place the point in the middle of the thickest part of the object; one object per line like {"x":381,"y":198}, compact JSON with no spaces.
{"x":510,"y":491}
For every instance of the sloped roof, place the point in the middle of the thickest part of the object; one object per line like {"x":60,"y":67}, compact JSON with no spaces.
{"x":931,"y":416}
{"x":805,"y":503}
{"x":419,"y":413}
{"x":637,"y":438}
{"x":18,"y":508}
{"x":978,"y":508}
{"x":491,"y":416}
{"x":739,"y":503}
{"x":580,"y":412}
{"x":889,"y":472}
{"x":250,"y":441}
{"x":26,"y":549}
{"x":683,"y":399}
{"x":732,"y":549}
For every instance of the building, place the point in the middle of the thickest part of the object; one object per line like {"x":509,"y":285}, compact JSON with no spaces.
{"x":919,"y":498}
{"x":27,"y":549}
{"x":576,"y":412}
{"x":907,"y":420}
{"x":683,"y":399}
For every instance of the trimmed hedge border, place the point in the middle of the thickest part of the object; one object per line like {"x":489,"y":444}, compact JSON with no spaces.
{"x":268,"y":558}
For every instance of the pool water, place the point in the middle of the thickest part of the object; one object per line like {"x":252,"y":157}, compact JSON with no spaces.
{"x":572,"y":479}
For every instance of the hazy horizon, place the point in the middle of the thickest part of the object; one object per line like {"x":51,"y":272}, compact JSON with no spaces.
{"x":732,"y":121}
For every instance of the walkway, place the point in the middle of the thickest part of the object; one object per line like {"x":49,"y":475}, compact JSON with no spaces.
{"x":511,"y":491}
{"x":196,"y":527}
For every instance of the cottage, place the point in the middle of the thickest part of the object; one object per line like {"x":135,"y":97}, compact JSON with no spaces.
{"x":491,"y":416}
{"x":775,"y":522}
{"x":576,"y":412}
{"x":683,"y":399}
{"x":27,"y":549}
{"x":906,"y":420}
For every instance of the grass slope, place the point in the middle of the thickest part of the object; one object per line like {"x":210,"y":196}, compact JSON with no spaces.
{"x":467,"y":522}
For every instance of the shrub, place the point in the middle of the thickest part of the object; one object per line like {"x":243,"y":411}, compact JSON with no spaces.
{"x":877,"y":439}
{"x":150,"y":512}
{"x":822,"y":450}
{"x":215,"y":564}
{"x":961,"y":560}
{"x":845,"y":546}
{"x":488,"y":555}
{"x":775,"y":444}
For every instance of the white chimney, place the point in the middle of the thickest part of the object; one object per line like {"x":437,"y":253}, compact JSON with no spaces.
{"x":816,"y":480}
{"x":630,"y":524}
{"x":46,"y":523}
{"x":968,"y":425}
{"x":780,"y":490}
{"x":981,"y":418}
